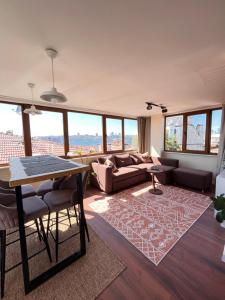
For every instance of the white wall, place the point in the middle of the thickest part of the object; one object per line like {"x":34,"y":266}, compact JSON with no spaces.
{"x":156,"y":135}
{"x":195,"y":161}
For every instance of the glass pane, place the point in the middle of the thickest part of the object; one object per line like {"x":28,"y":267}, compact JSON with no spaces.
{"x":85,"y":133}
{"x":114,"y":134}
{"x":215,"y":130}
{"x":130,"y":134}
{"x":11,"y":132}
{"x":196,"y":129}
{"x":47,"y":133}
{"x":174,"y":133}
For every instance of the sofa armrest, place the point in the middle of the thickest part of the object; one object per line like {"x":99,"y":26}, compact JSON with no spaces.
{"x":103,"y":176}
{"x":166,"y":161}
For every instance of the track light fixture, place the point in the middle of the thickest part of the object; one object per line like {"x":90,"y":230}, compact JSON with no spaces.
{"x":150,"y":104}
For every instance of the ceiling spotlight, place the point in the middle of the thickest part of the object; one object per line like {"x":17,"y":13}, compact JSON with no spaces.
{"x":149,"y":105}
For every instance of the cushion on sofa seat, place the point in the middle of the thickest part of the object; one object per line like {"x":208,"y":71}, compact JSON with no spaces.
{"x":123,"y":160}
{"x":126,"y":172}
{"x":142,"y":166}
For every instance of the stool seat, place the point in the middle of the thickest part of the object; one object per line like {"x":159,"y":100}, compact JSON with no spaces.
{"x":27,"y":190}
{"x":45,"y":187}
{"x":59,"y":199}
{"x":33,"y":208}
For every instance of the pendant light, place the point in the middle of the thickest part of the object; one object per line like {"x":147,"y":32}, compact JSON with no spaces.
{"x":32,"y":110}
{"x":53,"y":95}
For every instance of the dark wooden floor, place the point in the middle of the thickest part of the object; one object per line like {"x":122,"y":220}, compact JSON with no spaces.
{"x":191,"y":270}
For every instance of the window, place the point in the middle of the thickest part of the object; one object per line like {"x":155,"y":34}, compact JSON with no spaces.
{"x":174,"y":133}
{"x":196,"y":132}
{"x":215,"y":130}
{"x":11,"y":132}
{"x":114,"y":134}
{"x":85,"y":133}
{"x":47,"y":133}
{"x":130,"y":134}
{"x":63,"y":133}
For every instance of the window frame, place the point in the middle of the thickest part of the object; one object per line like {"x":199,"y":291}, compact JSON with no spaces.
{"x":67,"y":134}
{"x":27,"y":129}
{"x":105,"y":134}
{"x":133,"y":149}
{"x":49,"y":109}
{"x":23,"y":126}
{"x":185,"y":115}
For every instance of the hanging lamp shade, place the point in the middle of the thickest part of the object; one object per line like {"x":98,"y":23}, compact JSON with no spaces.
{"x":53,"y":96}
{"x":32,"y":110}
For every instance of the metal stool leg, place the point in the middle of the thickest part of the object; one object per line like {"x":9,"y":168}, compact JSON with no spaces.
{"x":57,"y":237}
{"x":48,"y":223}
{"x":45,"y":239}
{"x":38,"y":231}
{"x":68,"y":214}
{"x":86,"y":229}
{"x":3,"y":250}
{"x":75,"y":210}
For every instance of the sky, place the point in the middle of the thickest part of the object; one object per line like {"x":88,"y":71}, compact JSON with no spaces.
{"x":198,"y":119}
{"x":51,"y":123}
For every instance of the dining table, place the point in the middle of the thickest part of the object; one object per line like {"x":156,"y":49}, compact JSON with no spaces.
{"x":31,"y":169}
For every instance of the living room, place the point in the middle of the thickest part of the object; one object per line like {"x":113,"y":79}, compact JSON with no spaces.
{"x":112,"y":149}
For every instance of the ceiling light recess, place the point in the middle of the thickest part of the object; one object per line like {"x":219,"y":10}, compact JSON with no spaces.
{"x":53,"y":96}
{"x":32,"y":110}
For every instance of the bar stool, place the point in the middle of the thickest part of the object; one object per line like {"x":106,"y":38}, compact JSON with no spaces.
{"x":34,"y":208}
{"x":64,"y":198}
{"x":49,"y":185}
{"x":27,"y":189}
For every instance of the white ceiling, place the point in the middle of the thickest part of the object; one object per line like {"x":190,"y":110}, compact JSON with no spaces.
{"x":115,"y":55}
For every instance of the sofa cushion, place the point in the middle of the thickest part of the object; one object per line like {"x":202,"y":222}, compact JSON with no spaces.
{"x":102,"y":159}
{"x":166,"y":168}
{"x":109,"y":163}
{"x":142,"y":166}
{"x":136,"y":159}
{"x":146,"y":158}
{"x":123,"y":160}
{"x":193,"y":178}
{"x":126,"y":172}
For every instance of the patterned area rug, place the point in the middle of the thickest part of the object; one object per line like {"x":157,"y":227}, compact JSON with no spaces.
{"x":152,"y":223}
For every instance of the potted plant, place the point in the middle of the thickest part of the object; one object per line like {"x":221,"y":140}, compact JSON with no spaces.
{"x":219,"y":204}
{"x":220,"y":217}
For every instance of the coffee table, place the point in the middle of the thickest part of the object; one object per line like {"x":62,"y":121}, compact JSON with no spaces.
{"x":154,"y":190}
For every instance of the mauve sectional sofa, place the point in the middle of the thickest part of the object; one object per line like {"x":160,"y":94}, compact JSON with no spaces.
{"x":129,"y":172}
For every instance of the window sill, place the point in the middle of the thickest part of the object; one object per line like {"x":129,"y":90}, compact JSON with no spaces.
{"x":190,"y":153}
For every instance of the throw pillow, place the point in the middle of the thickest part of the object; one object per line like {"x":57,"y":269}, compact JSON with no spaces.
{"x":123,"y":160}
{"x":108,"y":162}
{"x":101,"y":160}
{"x":146,"y":158}
{"x":136,"y":159}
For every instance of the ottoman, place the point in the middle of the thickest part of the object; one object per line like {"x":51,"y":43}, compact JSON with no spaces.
{"x":197,"y":179}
